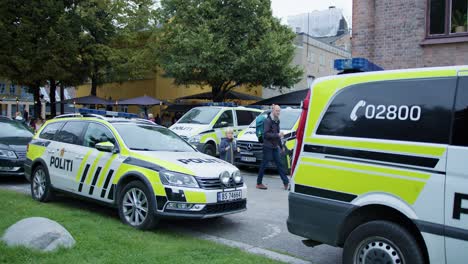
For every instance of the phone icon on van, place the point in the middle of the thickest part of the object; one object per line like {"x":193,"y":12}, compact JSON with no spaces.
{"x":353,"y":114}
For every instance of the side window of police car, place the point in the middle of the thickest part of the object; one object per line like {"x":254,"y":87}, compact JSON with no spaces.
{"x":393,"y":110}
{"x":225,"y":119}
{"x":244,"y":118}
{"x":50,"y":130}
{"x":460,"y":124}
{"x":71,"y":132}
{"x":97,"y":133}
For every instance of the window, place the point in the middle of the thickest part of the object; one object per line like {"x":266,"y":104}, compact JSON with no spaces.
{"x":2,"y":88}
{"x":447,"y":18}
{"x":460,"y":124}
{"x":97,"y":133}
{"x":244,"y":118}
{"x":310,"y":57}
{"x":322,"y":60}
{"x":226,"y":116}
{"x":407,"y":110}
{"x":12,"y":89}
{"x":71,"y":133}
{"x":13,"y":129}
{"x":202,"y":115}
{"x":50,"y":130}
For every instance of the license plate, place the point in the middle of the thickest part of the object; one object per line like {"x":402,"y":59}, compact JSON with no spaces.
{"x":229,"y":196}
{"x":248,"y":159}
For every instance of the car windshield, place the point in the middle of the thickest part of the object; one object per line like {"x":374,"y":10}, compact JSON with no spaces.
{"x":287,"y":119}
{"x":9,"y":129}
{"x":151,"y":138}
{"x":201,"y":115}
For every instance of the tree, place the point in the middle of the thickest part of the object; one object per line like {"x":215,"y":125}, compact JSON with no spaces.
{"x":225,"y":44}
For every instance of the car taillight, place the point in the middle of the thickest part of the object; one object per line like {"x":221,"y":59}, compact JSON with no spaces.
{"x":300,"y":132}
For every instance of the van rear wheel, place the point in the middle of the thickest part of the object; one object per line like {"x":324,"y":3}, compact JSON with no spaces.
{"x":381,"y":242}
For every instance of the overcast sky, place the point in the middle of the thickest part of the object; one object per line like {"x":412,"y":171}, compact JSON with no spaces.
{"x":284,"y":8}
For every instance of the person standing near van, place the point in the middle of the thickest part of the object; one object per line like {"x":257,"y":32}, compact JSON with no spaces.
{"x":272,"y":147}
{"x":228,"y":147}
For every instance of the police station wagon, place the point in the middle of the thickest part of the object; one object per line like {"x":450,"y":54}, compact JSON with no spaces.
{"x":145,"y":170}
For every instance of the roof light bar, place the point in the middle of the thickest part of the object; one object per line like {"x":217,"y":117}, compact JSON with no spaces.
{"x":106,"y":113}
{"x":357,"y":64}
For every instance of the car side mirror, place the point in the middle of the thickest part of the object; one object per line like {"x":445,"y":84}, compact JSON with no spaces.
{"x":106,"y":147}
{"x":222,"y":124}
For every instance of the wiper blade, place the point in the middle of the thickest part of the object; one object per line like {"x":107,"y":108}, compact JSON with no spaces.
{"x":141,"y":149}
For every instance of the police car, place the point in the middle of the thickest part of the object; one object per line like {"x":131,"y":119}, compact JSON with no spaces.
{"x":145,"y":170}
{"x":251,"y":153}
{"x":381,"y":167}
{"x":205,"y":126}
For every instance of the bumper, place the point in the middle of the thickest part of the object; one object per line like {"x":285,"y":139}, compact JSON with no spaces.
{"x":28,"y":169}
{"x":316,"y":218}
{"x":210,"y":210}
{"x":12,"y":163}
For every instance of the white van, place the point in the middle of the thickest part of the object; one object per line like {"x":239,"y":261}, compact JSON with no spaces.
{"x":204,"y":126}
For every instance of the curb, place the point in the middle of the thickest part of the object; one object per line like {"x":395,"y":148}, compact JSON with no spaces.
{"x":248,"y":248}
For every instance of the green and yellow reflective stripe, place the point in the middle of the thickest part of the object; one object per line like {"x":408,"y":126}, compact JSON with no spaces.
{"x":195,"y":197}
{"x":105,"y":171}
{"x":82,"y":165}
{"x":393,"y":147}
{"x":369,"y":168}
{"x":93,"y":168}
{"x":358,"y":183}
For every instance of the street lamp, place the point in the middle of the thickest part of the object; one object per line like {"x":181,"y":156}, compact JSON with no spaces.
{"x":310,"y":80}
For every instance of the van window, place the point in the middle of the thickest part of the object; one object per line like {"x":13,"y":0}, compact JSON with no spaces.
{"x":71,"y":133}
{"x":408,"y":110}
{"x":460,"y":123}
{"x":226,"y":116}
{"x":244,"y":117}
{"x":50,"y":130}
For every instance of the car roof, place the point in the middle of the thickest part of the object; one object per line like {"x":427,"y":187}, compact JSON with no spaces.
{"x":111,"y":120}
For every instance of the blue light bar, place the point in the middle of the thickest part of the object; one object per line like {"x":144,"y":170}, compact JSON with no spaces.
{"x":225,"y":104}
{"x":357,"y":64}
{"x":106,"y":113}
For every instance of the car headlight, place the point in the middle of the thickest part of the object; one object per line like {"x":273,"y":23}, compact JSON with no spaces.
{"x":237,"y":176}
{"x":225,"y":177}
{"x":194,"y":139}
{"x":178,"y":179}
{"x":8,"y":154}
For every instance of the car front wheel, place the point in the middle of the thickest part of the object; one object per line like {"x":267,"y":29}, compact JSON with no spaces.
{"x":136,"y":208}
{"x":41,"y":189}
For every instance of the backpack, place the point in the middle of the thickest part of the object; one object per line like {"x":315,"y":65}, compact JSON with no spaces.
{"x":259,"y":126}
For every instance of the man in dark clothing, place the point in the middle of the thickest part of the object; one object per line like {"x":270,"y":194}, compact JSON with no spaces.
{"x":272,"y":147}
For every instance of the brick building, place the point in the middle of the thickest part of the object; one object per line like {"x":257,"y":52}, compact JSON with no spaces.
{"x":406,"y":34}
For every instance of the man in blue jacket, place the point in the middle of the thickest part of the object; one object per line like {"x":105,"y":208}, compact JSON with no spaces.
{"x":272,"y":147}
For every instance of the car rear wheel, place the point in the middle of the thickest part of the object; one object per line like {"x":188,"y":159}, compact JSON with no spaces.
{"x":136,"y":208}
{"x":381,"y":242}
{"x":209,"y":149}
{"x":41,"y":189}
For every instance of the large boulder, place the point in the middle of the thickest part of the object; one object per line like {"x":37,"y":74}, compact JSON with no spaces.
{"x":38,"y":233}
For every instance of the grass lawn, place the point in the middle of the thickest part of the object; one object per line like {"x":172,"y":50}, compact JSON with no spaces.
{"x":102,"y":238}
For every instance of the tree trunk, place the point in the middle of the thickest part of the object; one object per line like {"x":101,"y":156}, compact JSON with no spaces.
{"x":93,"y":85}
{"x":216,"y":93}
{"x":53,"y":102}
{"x":62,"y":98}
{"x":37,"y":100}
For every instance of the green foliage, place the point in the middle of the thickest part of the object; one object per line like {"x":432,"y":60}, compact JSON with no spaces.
{"x":225,"y":44}
{"x":102,"y":238}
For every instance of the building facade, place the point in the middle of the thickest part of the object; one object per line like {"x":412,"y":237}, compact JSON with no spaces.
{"x":396,"y":34}
{"x":315,"y":57}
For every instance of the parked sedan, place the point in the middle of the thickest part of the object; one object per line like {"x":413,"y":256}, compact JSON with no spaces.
{"x":14,"y":138}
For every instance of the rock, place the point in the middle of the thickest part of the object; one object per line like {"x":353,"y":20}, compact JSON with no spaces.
{"x":38,"y":233}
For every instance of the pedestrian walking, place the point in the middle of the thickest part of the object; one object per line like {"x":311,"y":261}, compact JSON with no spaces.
{"x":272,"y":147}
{"x":228,"y":147}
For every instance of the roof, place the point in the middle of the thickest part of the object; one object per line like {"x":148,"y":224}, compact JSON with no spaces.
{"x":292,"y":98}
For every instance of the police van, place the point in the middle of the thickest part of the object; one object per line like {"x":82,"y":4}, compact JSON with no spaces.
{"x":205,"y":126}
{"x":251,"y":154}
{"x":381,"y":166}
{"x":143,"y":169}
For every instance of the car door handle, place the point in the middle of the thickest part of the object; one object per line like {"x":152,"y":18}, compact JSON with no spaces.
{"x":51,"y":151}
{"x":79,"y":157}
